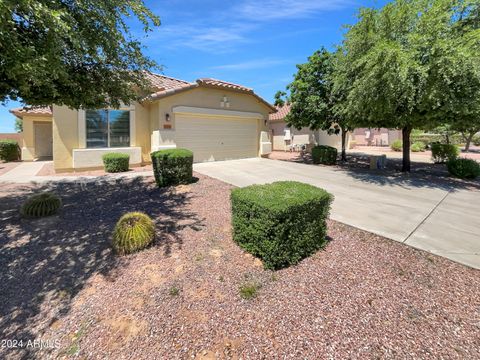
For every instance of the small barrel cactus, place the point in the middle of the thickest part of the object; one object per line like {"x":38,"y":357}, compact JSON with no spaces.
{"x":40,"y":205}
{"x":133,"y":232}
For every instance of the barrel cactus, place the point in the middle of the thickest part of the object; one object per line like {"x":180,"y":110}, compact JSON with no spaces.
{"x":40,"y":205}
{"x":133,"y":232}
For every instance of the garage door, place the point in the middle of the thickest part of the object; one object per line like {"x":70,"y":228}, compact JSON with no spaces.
{"x":217,"y":138}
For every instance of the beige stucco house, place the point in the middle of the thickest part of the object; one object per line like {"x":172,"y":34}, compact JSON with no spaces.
{"x":217,"y":120}
{"x":283,"y":136}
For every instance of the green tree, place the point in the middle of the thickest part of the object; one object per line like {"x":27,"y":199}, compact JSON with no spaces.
{"x":74,"y":53}
{"x":314,"y":103}
{"x":410,"y":65}
{"x":279,"y":98}
{"x":18,"y":125}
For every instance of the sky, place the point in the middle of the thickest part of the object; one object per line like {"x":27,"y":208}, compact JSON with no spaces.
{"x":256,"y":43}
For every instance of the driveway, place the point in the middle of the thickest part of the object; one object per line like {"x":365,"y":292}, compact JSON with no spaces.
{"x":442,"y":220}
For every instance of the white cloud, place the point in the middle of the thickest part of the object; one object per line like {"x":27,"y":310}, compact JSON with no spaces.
{"x":251,"y":64}
{"x":263,"y":10}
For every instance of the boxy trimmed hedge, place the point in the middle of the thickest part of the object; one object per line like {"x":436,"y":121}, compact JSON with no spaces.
{"x":281,"y":223}
{"x":323,"y":154}
{"x":172,"y":166}
{"x":116,"y":162}
{"x":9,"y":150}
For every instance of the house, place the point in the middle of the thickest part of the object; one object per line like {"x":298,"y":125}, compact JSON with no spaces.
{"x":285,"y":138}
{"x":215,"y":119}
{"x":375,"y":137}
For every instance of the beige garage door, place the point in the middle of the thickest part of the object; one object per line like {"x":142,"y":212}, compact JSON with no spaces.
{"x":216,"y":138}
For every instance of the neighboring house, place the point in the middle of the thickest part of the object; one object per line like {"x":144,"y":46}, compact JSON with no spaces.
{"x":375,"y":137}
{"x":215,"y":119}
{"x":283,"y":137}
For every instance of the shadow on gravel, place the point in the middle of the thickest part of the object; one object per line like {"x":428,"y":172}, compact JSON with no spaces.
{"x":50,"y":260}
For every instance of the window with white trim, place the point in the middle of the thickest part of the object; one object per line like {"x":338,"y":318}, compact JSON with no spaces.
{"x":107,"y":128}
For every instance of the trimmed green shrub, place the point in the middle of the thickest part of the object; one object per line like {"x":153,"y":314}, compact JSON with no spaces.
{"x":396,"y":145}
{"x":172,"y":166}
{"x":116,"y":162}
{"x":443,"y":152}
{"x":427,"y":138}
{"x":418,"y":147}
{"x":281,"y":223}
{"x":9,"y":150}
{"x":40,"y":205}
{"x":463,"y":168}
{"x":133,"y":232}
{"x":323,"y":154}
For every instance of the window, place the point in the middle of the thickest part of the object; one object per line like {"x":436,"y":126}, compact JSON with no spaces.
{"x":107,"y":128}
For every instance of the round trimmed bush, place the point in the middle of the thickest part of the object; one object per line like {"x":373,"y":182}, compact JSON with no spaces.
{"x":40,"y":205}
{"x":323,"y":154}
{"x":9,"y":150}
{"x":418,"y":147}
{"x":172,"y":166}
{"x":443,"y":152}
{"x":396,"y":145}
{"x":116,"y":162}
{"x":133,"y":232}
{"x":463,"y":168}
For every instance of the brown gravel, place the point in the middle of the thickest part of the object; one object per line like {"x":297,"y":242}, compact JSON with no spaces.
{"x":362,"y":297}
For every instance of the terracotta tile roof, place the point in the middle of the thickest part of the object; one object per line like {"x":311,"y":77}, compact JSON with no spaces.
{"x":224,"y":84}
{"x":163,"y":83}
{"x":32,"y":111}
{"x":162,"y":86}
{"x":281,"y":113}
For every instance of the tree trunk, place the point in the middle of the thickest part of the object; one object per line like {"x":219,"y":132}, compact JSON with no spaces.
{"x":468,"y":140}
{"x":344,"y":145}
{"x":406,"y":148}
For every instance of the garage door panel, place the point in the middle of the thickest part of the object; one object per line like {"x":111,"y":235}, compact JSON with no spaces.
{"x":213,"y":139}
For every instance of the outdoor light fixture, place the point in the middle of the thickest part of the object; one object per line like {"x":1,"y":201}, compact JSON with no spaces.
{"x":167,"y":117}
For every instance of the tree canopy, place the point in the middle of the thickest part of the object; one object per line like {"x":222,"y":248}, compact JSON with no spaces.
{"x":314,"y":103}
{"x":414,"y":64}
{"x":74,"y":53}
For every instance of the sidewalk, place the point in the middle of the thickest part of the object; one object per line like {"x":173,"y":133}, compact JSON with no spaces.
{"x":27,"y":173}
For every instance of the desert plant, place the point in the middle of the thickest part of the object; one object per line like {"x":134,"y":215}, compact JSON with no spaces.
{"x":323,"y":154}
{"x":40,"y":205}
{"x":463,"y":168}
{"x":249,"y":290}
{"x":418,"y":147}
{"x":396,"y":145}
{"x":172,"y":166}
{"x":9,"y":150}
{"x":443,"y":152}
{"x":282,"y":222}
{"x":133,"y":232}
{"x":116,"y":162}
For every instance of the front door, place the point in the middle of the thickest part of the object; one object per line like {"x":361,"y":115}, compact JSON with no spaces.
{"x":43,"y":139}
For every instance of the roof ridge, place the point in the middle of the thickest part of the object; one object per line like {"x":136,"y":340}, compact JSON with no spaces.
{"x":170,"y":77}
{"x":223,"y":81}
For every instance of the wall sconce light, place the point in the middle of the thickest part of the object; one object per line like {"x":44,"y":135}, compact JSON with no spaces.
{"x":167,"y":117}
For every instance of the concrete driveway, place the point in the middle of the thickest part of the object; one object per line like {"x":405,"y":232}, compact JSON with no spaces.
{"x":439,"y":219}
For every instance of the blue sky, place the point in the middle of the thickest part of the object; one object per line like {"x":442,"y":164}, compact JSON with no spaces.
{"x":256,"y":43}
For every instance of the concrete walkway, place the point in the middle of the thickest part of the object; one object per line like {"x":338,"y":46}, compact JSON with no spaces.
{"x":443,"y":221}
{"x":27,"y":173}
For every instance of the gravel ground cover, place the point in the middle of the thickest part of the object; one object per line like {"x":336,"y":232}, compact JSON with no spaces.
{"x":196,"y":294}
{"x":49,"y":170}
